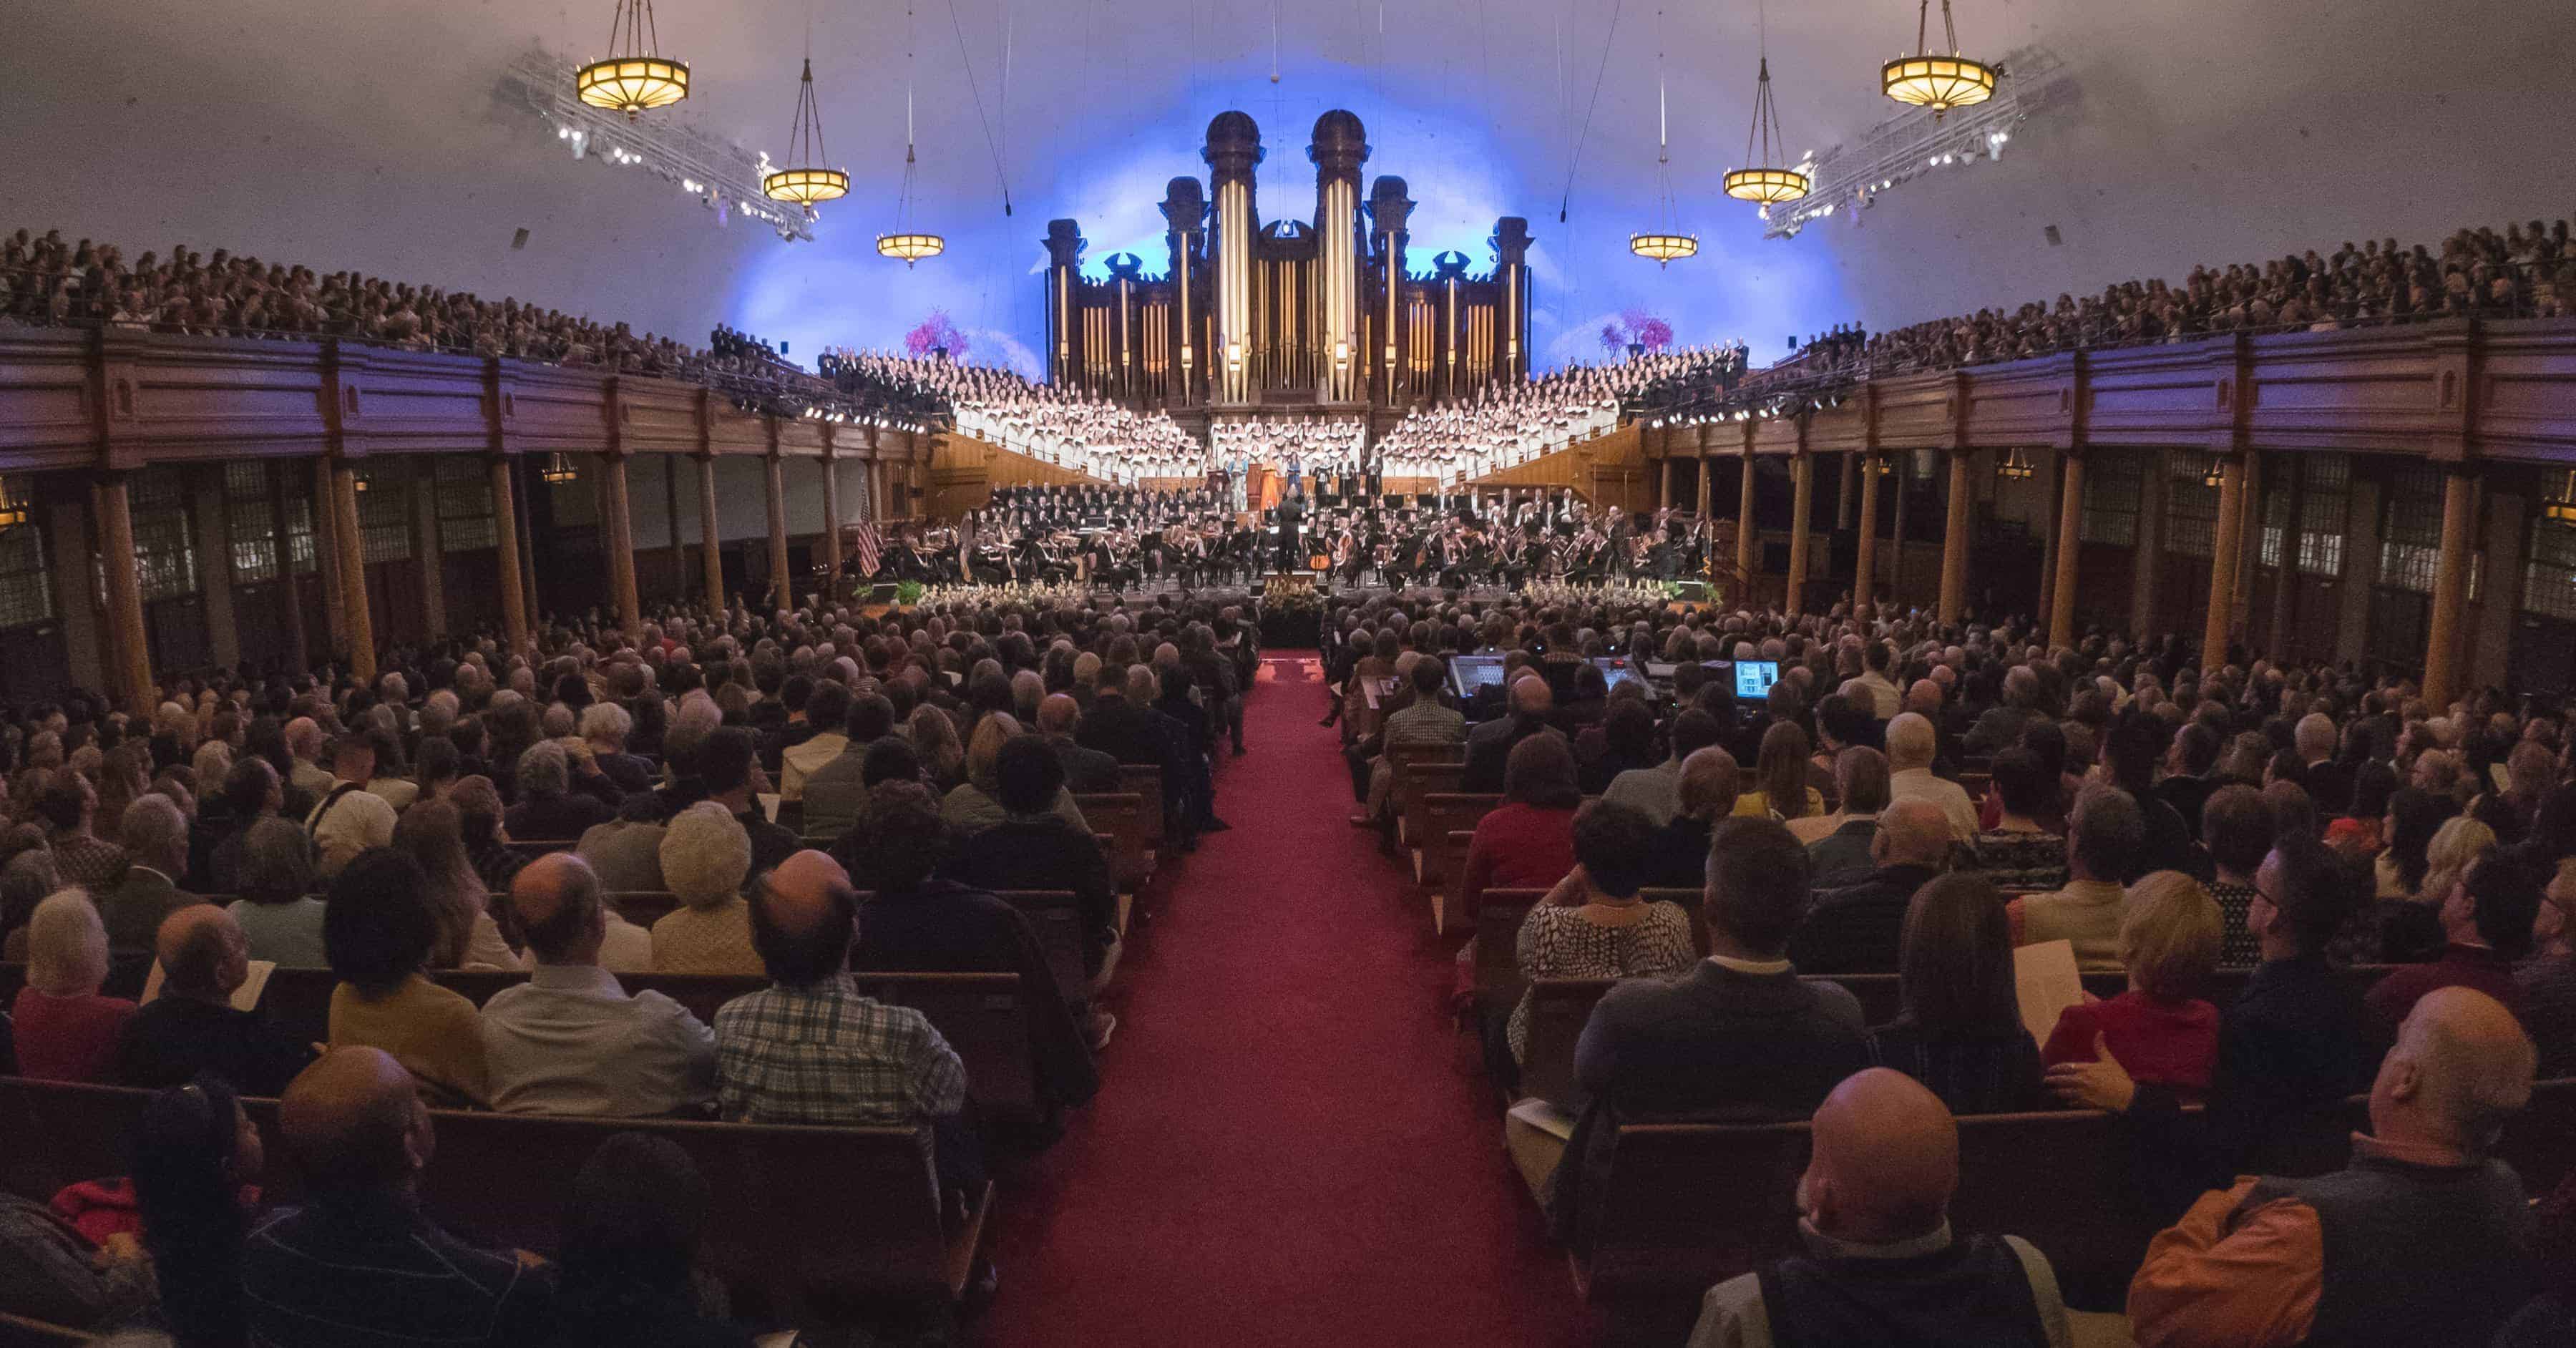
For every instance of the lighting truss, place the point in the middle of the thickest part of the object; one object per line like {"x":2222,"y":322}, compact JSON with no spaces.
{"x":719,"y":174}
{"x":1849,"y":177}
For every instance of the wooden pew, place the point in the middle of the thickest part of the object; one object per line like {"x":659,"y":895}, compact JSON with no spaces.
{"x":1443,"y":813}
{"x":17,"y":1331}
{"x":797,"y":1215}
{"x":1498,"y":932}
{"x":1417,"y":780}
{"x":1053,"y":915}
{"x":1687,"y":1205}
{"x":982,"y":1016}
{"x":529,"y":849}
{"x":1560,"y":1006}
{"x":1127,"y":817}
{"x":643,"y":907}
{"x":1146,"y":780}
{"x":1414,"y":769}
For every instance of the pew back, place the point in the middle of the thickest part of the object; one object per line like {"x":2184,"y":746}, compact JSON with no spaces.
{"x":1444,"y":813}
{"x":1417,"y":780}
{"x":1146,"y":780}
{"x":1124,"y":816}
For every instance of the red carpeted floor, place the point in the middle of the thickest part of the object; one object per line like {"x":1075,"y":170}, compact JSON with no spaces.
{"x":1289,"y":1146}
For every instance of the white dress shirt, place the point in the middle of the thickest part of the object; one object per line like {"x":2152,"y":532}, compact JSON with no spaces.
{"x":570,"y":1041}
{"x":1920,"y":784}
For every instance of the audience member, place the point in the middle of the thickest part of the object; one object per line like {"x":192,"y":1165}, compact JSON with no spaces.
{"x":69,"y":809}
{"x":277,"y":912}
{"x":1527,"y":842}
{"x":630,"y":1242}
{"x":360,"y":1262}
{"x":1854,"y":929}
{"x":2160,"y":1034}
{"x":1678,"y":854}
{"x":62,"y":1028}
{"x":2487,"y":919}
{"x":705,"y":858}
{"x":570,"y":1040}
{"x":2423,"y":1239}
{"x":347,"y":818}
{"x":1880,"y":1264}
{"x":156,"y":849}
{"x":1489,"y":746}
{"x":2237,"y":828}
{"x":1594,"y":924}
{"x":2020,"y":854}
{"x":197,"y":1158}
{"x":1961,"y":1032}
{"x":379,"y":930}
{"x":2547,"y":980}
{"x":1910,"y":746}
{"x":1841,"y":845}
{"x":193,"y":1027}
{"x":2103,"y":840}
{"x":729,"y":763}
{"x":1656,"y":792}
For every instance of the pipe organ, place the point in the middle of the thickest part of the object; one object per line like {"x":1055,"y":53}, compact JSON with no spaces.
{"x":1321,"y":315}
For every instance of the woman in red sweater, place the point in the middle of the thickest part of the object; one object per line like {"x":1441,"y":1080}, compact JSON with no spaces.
{"x":64,"y":1030}
{"x":2169,"y":938}
{"x":1527,"y":842}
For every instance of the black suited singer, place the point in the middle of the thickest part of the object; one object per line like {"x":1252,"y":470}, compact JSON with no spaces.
{"x":1292,"y":513}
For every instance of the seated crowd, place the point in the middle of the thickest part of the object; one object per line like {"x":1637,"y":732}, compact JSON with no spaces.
{"x":508,"y":816}
{"x":1919,"y":800}
{"x":2527,"y":270}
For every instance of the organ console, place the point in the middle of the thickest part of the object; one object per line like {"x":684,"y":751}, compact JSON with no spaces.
{"x":1320,"y":315}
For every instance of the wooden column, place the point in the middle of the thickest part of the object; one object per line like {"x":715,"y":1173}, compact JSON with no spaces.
{"x":782,"y":589}
{"x":505,"y":537}
{"x":215,"y":563}
{"x":1802,"y":477}
{"x":1844,"y":505}
{"x":2249,"y":544}
{"x":2070,"y":519}
{"x":356,"y":619}
{"x":1902,"y":465}
{"x":831,"y":523}
{"x":70,"y":503}
{"x":326,"y":557}
{"x":1744,"y":527}
{"x":427,"y":545}
{"x":130,"y":656}
{"x":2450,"y":590}
{"x":710,"y":543}
{"x":621,"y":548}
{"x":2048,"y":543}
{"x":1954,"y":540}
{"x":1707,"y":486}
{"x":2225,"y":553}
{"x":2147,"y":550}
{"x":1865,"y":577}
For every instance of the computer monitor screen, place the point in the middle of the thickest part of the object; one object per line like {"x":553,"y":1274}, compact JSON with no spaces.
{"x":1753,"y":679}
{"x":1467,"y":673}
{"x":1618,"y":671}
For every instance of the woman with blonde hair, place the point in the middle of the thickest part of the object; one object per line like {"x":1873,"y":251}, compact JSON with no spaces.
{"x":705,"y":856}
{"x":64,"y":1029}
{"x":468,"y":937}
{"x":1780,"y":774}
{"x":2158,"y":1030}
{"x":934,"y":737}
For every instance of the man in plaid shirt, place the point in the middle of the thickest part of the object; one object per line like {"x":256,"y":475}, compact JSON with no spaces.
{"x":809,"y":1048}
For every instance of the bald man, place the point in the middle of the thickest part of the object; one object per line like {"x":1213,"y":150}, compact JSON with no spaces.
{"x":1854,"y":929}
{"x":1489,"y":746}
{"x":192,"y":1026}
{"x":1912,"y":745}
{"x":1882,"y":1266}
{"x":570,"y":1040}
{"x":2422,"y":1239}
{"x":360,"y":1263}
{"x":1085,"y":770}
{"x":809,"y":1048}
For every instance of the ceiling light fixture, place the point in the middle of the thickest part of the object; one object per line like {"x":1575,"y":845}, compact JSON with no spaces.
{"x":1666,"y":242}
{"x":634,"y":75}
{"x":1927,"y":80}
{"x":808,"y":181}
{"x":557,"y":471}
{"x":2016,"y":467}
{"x":1767,"y":182}
{"x":2559,"y":507}
{"x":905,"y":245}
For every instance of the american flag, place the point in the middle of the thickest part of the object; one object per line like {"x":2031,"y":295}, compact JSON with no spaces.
{"x":867,"y":547}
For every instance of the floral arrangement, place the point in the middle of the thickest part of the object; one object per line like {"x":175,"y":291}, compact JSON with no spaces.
{"x":1548,"y":594}
{"x":937,"y":331}
{"x":1636,"y":327}
{"x":977,"y":596}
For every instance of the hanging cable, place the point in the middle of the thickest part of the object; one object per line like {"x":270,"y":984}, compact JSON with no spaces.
{"x":1575,"y":160}
{"x":976,"y":91}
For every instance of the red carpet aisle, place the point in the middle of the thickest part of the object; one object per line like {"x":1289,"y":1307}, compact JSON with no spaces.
{"x":1284,"y":1150}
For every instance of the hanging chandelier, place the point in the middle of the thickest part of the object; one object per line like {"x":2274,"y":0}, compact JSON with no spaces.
{"x":13,"y":502}
{"x":557,"y":470}
{"x":1765,"y":183}
{"x":2016,"y":467}
{"x":2215,"y":475}
{"x":1926,"y":80}
{"x":807,"y":181}
{"x":905,"y":245}
{"x":1665,"y":243}
{"x":634,"y":75}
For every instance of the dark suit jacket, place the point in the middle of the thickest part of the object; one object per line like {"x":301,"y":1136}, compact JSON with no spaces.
{"x":1120,"y":729}
{"x":1842,"y":856}
{"x":1715,"y":1043}
{"x":1489,"y":751}
{"x":133,"y":910}
{"x":1854,"y":929}
{"x":1044,"y":853}
{"x":945,"y":927}
{"x":1678,"y":856}
{"x":1085,"y":769}
{"x":175,"y":1038}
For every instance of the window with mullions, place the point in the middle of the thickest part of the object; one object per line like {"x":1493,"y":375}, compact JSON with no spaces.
{"x":2276,"y":518}
{"x":250,"y":522}
{"x":2549,"y":578}
{"x":2191,"y":504}
{"x":2410,"y":529}
{"x":165,"y":549}
{"x":465,"y":522}
{"x":384,"y":516}
{"x":2325,"y":505}
{"x":26,"y":589}
{"x":2113,"y":484}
